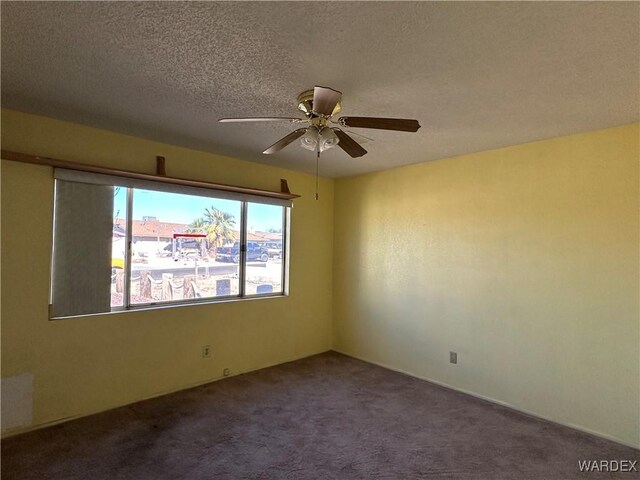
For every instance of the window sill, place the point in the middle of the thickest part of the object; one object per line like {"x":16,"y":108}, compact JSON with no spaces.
{"x":171,"y":305}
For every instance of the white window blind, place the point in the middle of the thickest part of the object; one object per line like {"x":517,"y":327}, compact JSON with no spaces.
{"x":82,"y":249}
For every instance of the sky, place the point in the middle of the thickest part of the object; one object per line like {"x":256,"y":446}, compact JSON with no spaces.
{"x":177,"y":208}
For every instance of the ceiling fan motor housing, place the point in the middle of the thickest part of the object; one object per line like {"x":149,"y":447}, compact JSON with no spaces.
{"x":305,"y":104}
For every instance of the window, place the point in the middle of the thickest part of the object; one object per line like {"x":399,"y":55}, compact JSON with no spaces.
{"x":124,"y":243}
{"x":265,"y":272}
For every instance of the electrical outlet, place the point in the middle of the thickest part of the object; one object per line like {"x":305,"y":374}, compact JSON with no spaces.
{"x":206,"y":351}
{"x":453,"y":357}
{"x":226,"y":372}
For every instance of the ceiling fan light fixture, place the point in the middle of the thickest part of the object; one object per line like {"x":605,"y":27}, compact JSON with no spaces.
{"x":328,"y":139}
{"x":310,"y":138}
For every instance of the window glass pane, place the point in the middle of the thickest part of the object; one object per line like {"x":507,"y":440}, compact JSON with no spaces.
{"x":178,"y":242}
{"x":265,"y":227}
{"x":118,"y":243}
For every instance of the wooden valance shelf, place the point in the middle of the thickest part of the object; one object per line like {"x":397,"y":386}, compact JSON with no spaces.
{"x":284,"y":194}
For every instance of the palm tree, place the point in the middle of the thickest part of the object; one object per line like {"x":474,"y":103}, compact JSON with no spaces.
{"x":197,"y":226}
{"x":218,"y":226}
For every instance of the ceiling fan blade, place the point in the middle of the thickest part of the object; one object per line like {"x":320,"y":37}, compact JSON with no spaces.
{"x":400,"y":124}
{"x":361,"y":139}
{"x":283,"y":142}
{"x":325,"y":100}
{"x":261,"y":119}
{"x":348,"y":144}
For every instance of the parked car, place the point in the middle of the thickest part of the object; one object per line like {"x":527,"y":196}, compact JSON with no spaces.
{"x":184,"y":250}
{"x":231,"y":253}
{"x":274,"y":249}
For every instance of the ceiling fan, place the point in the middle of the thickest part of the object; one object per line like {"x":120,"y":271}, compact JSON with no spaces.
{"x":319,"y":106}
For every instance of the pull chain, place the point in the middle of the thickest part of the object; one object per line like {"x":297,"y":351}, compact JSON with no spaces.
{"x":317,"y":171}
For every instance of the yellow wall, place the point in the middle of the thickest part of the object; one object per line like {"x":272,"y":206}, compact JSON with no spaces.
{"x":85,"y":365}
{"x":524,"y":260}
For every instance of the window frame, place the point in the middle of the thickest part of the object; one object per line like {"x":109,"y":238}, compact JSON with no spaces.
{"x":242,"y":295}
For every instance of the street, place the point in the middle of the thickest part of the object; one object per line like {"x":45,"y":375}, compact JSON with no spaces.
{"x":187,"y":267}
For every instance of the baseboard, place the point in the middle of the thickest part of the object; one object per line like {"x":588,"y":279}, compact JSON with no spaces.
{"x":493,"y":400}
{"x":39,"y":426}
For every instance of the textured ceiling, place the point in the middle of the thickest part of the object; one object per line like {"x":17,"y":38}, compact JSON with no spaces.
{"x":476,"y":75}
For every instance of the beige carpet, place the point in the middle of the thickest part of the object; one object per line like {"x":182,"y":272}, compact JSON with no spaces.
{"x":324,"y":417}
